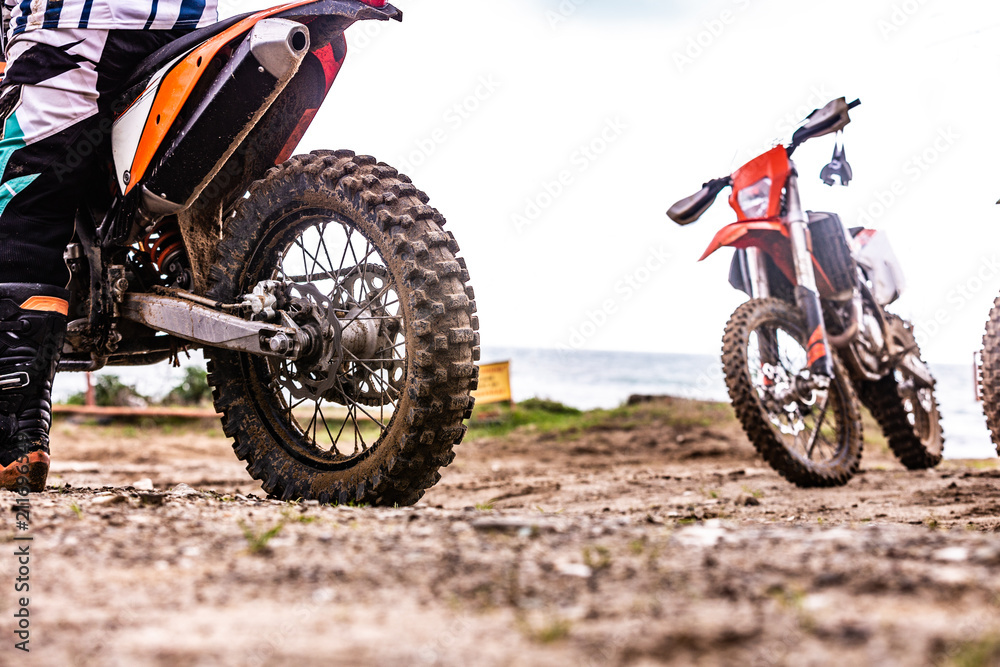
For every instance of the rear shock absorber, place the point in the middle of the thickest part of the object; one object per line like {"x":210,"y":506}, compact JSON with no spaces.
{"x":165,"y":247}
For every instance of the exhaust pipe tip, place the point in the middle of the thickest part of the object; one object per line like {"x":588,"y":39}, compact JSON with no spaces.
{"x":279,"y":45}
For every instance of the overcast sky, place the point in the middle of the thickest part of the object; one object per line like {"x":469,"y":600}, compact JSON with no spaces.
{"x":554,"y":135}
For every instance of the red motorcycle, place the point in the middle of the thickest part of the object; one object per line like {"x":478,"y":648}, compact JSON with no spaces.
{"x":815,"y":337}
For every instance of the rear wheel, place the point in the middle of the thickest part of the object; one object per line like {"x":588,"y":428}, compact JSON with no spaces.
{"x":371,"y":412}
{"x":990,"y":381}
{"x":907,"y":410}
{"x":810,"y":434}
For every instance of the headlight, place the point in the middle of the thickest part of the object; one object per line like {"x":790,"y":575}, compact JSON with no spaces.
{"x":754,"y":199}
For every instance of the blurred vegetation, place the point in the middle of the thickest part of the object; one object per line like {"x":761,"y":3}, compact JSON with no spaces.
{"x":540,"y":415}
{"x":110,"y":391}
{"x":547,"y":416}
{"x":192,"y":390}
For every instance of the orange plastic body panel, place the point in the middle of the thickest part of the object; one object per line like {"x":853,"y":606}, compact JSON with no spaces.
{"x":764,"y":234}
{"x":771,"y":237}
{"x":773,"y":164}
{"x":178,"y":84}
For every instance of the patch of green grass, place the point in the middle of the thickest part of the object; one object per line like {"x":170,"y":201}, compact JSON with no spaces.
{"x":488,"y":505}
{"x":637,"y":547}
{"x":298,"y":517}
{"x":982,"y":652}
{"x":76,"y":510}
{"x":874,"y":440}
{"x":545,"y":416}
{"x":257,"y":540}
{"x":980,"y":464}
{"x":550,"y":631}
{"x":597,"y":558}
{"x":932,"y":523}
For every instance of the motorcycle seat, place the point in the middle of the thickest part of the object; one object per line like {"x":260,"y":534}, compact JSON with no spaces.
{"x":165,"y":54}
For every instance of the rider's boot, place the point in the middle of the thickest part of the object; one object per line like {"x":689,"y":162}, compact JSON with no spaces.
{"x":32,"y":328}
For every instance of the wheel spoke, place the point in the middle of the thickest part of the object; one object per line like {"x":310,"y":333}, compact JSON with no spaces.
{"x":369,"y":386}
{"x":818,"y":427}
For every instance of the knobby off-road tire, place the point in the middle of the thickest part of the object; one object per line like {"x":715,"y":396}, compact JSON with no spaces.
{"x":883,"y":401}
{"x":432,"y":375}
{"x":990,"y":380}
{"x":744,"y":380}
{"x":918,"y":444}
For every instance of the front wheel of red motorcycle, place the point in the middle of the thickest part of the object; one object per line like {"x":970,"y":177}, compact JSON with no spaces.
{"x":354,"y":255}
{"x":810,"y":434}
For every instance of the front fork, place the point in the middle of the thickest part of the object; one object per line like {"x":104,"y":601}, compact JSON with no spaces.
{"x":819,"y":361}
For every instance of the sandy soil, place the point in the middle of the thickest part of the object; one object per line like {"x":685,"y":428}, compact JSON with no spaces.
{"x":643,"y":543}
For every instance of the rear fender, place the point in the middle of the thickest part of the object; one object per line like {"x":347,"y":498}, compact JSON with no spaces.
{"x":279,"y":130}
{"x":153,"y":117}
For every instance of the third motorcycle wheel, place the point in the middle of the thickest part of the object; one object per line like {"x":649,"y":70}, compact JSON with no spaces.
{"x":811,"y":436}
{"x":990,"y":380}
{"x":371,"y":412}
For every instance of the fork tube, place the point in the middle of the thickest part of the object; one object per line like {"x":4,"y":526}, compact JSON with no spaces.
{"x":759,"y":287}
{"x":806,"y":293}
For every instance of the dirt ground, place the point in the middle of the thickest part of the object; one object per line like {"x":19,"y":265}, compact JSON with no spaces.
{"x":653,"y":541}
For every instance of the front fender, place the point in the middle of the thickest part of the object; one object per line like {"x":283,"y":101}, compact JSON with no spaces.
{"x":764,"y":234}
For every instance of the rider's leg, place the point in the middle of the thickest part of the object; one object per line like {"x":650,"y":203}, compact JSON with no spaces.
{"x":57,"y":83}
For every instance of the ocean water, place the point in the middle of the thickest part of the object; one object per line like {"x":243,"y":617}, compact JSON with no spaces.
{"x":589,"y":380}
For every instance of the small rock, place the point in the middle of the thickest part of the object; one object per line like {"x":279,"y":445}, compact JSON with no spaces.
{"x":152,"y":498}
{"x":574,"y":570}
{"x":951,"y":555}
{"x":989,"y":554}
{"x":182,"y":489}
{"x":145,"y":484}
{"x":747,"y":500}
{"x":109,"y":500}
{"x":511,"y":525}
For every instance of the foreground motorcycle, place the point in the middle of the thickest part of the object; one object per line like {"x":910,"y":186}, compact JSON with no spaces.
{"x":815,"y":336}
{"x":336,"y":318}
